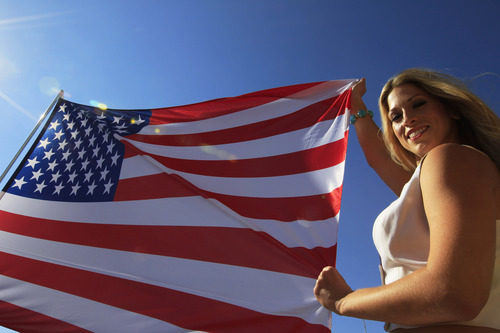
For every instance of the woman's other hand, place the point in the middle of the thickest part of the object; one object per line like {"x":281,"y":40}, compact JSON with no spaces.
{"x":330,"y":288}
{"x":358,"y":91}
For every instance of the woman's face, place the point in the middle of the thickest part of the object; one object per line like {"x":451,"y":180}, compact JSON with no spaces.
{"x":419,"y":120}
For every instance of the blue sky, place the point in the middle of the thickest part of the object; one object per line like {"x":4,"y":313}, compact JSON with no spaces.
{"x":145,"y":54}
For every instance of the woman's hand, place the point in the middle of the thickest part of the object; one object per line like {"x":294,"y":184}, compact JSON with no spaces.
{"x":330,"y":288}
{"x":358,"y":91}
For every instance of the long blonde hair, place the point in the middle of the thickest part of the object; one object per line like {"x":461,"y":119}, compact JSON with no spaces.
{"x":478,"y":125}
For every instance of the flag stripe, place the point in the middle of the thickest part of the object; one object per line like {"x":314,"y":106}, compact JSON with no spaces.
{"x":181,"y":242}
{"x":303,"y":118}
{"x":300,"y":233}
{"x":309,"y":208}
{"x":286,"y":164}
{"x":90,"y":316}
{"x":224,"y":106}
{"x":317,"y":135}
{"x":286,"y":105}
{"x":23,"y":320}
{"x":107,"y":270}
{"x":312,"y":183}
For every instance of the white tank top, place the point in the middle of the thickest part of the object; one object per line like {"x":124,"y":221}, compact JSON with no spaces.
{"x":401,"y":236}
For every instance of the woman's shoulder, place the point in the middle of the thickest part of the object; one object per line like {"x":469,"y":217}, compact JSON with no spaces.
{"x":452,"y":160}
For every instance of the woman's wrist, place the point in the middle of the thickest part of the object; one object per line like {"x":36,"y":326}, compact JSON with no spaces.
{"x":362,"y":113}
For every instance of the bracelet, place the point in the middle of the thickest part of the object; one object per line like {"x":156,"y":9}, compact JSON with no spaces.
{"x":360,"y":114}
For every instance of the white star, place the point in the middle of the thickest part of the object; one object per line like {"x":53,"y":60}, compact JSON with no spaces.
{"x":62,"y":108}
{"x":57,"y":189}
{"x":78,"y":143}
{"x":99,"y":162}
{"x":58,"y":135}
{"x":19,"y":182}
{"x":106,"y":137}
{"x":55,"y":177}
{"x":88,"y":175}
{"x":120,"y":127}
{"x":62,"y":145}
{"x":74,"y":134}
{"x":36,"y":175}
{"x":110,"y":147}
{"x":117,"y":119}
{"x":91,"y":189}
{"x":104,"y":173}
{"x":88,"y":130}
{"x":69,"y":165}
{"x":114,"y":159}
{"x":54,"y":124}
{"x":48,"y":154}
{"x":91,"y":140}
{"x":34,"y":161}
{"x":65,"y":155}
{"x":70,"y":125}
{"x":40,"y":187}
{"x":74,"y":189}
{"x":101,"y":117}
{"x":84,"y":121}
{"x":85,"y":164}
{"x":100,"y":127}
{"x":81,"y":153}
{"x":107,"y":187}
{"x":95,"y":152}
{"x":52,"y":165}
{"x":72,"y":177}
{"x":44,"y":143}
{"x":139,"y":121}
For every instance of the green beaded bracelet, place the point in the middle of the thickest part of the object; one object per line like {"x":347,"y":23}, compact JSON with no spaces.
{"x":360,"y":114}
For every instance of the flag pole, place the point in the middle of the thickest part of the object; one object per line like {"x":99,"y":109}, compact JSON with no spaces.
{"x":40,"y":121}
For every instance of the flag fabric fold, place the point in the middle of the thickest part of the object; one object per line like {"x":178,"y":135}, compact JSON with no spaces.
{"x":215,"y":217}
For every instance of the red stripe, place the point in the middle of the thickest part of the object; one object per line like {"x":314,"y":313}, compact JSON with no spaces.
{"x":181,"y":309}
{"x":145,"y":187}
{"x":27,"y":321}
{"x":209,"y":244}
{"x":285,"y":164}
{"x":304,"y":118}
{"x":309,"y":208}
{"x":223,"y":106}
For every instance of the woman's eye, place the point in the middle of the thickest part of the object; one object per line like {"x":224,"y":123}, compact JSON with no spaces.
{"x":395,"y":117}
{"x":418,"y":104}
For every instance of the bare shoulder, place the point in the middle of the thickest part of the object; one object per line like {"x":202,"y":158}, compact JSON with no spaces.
{"x":454,"y":162}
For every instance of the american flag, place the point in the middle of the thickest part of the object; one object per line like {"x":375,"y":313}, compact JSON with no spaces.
{"x":215,"y":217}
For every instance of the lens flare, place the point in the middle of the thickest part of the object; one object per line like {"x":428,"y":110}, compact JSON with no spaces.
{"x":98,"y":104}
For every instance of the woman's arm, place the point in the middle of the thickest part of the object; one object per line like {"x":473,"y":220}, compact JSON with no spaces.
{"x":460,"y":194}
{"x":373,"y":146}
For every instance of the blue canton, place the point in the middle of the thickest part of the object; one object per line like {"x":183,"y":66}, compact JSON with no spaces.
{"x":78,"y":156}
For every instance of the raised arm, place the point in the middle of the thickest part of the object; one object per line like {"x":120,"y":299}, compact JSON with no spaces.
{"x":371,"y":142}
{"x":460,"y":189}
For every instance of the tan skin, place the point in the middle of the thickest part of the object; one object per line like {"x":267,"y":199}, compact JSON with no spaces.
{"x":461,"y":195}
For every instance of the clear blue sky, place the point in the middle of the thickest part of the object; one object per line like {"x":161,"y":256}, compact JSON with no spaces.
{"x":145,"y":54}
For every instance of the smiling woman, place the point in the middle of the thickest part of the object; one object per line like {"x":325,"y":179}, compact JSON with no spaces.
{"x":419,"y":121}
{"x":439,"y":242}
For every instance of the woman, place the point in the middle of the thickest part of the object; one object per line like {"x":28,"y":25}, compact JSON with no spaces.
{"x":439,"y":242}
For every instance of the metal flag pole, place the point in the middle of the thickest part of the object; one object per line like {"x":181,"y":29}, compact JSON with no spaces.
{"x":40,"y":121}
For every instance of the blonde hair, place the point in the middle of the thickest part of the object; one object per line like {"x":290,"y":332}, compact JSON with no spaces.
{"x":478,"y":125}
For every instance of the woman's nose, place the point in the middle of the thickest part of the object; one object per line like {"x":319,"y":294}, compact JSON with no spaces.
{"x":408,"y":117}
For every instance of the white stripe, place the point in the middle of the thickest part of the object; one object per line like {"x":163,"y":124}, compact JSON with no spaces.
{"x":317,"y":135}
{"x":271,"y":292}
{"x":78,"y":311}
{"x":296,"y":185}
{"x":267,"y":111}
{"x":180,"y":212}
